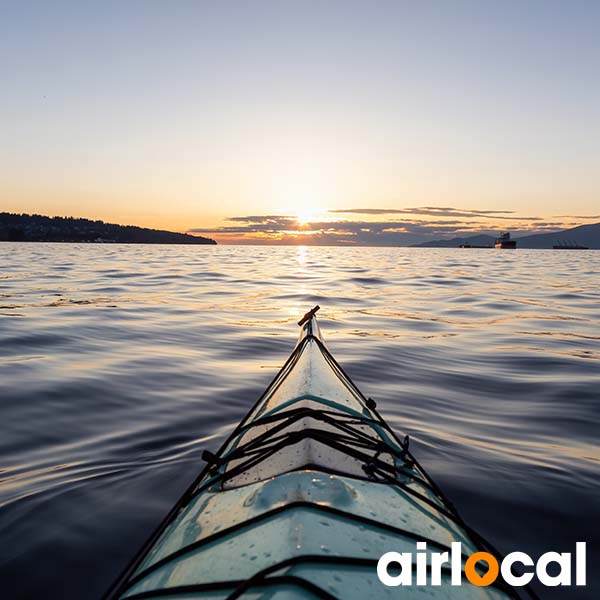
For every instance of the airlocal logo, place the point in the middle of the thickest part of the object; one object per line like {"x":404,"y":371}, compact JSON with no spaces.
{"x":432,"y":562}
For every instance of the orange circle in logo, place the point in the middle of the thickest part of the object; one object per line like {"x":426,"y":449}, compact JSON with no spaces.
{"x":473,"y":576}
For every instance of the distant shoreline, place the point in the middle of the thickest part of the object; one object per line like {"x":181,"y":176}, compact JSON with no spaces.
{"x":65,"y":230}
{"x":112,"y":243}
{"x":263,"y":245}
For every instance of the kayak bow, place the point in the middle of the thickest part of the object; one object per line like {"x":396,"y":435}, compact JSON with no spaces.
{"x":301,"y":501}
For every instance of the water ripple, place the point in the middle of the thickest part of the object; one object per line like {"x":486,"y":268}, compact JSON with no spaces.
{"x":126,"y":361}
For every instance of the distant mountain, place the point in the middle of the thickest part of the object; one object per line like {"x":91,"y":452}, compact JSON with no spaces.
{"x":585,"y":235}
{"x":38,"y":228}
{"x":474,"y":240}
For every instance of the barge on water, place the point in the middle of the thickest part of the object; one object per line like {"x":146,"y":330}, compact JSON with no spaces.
{"x":504,"y":241}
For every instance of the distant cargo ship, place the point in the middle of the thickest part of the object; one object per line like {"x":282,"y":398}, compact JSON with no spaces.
{"x":472,"y":246}
{"x":569,"y":245}
{"x":504,"y":241}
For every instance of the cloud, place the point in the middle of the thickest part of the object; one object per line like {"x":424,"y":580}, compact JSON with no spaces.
{"x":256,"y":224}
{"x":285,"y":229}
{"x":436,"y":211}
{"x":274,"y":224}
{"x":263,"y":218}
{"x":583,"y":217}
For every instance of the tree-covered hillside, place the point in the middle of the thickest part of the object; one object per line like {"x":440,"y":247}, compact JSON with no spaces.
{"x":38,"y":228}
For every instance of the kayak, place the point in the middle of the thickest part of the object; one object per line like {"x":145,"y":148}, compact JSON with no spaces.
{"x":302,"y":500}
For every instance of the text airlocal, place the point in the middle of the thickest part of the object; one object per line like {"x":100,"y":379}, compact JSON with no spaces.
{"x":429,"y":567}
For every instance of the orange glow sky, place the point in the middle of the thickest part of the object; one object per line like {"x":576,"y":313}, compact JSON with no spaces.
{"x":138,"y":114}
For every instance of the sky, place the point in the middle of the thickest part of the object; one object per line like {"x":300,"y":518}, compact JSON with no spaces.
{"x":303,"y":122}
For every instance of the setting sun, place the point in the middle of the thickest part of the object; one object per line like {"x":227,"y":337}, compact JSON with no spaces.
{"x":305,"y":216}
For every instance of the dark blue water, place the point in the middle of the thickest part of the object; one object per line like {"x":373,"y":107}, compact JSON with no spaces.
{"x":119,"y":364}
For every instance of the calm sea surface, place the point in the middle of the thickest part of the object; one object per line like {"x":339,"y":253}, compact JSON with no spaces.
{"x":119,"y":364}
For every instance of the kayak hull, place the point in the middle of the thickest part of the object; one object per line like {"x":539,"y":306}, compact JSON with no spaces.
{"x":308,"y":492}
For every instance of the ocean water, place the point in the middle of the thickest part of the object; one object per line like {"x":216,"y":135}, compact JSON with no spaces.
{"x":119,"y":364}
